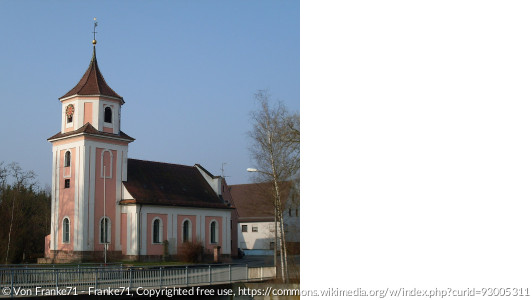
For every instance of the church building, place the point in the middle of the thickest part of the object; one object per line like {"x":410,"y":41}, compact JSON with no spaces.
{"x":106,"y":204}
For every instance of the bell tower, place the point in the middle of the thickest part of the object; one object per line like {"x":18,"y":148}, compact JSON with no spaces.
{"x":89,"y":166}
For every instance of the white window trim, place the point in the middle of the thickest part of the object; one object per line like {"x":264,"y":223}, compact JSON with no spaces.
{"x":69,"y":124}
{"x":216,"y":232}
{"x":109,"y":124}
{"x":63,"y":230}
{"x":109,"y":231}
{"x":160,"y":231}
{"x":189,"y":230}
{"x":65,"y":175}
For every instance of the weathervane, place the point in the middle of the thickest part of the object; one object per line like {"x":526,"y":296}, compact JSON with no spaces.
{"x":94,"y":32}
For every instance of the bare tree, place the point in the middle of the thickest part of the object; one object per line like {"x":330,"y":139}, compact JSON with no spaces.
{"x":21,"y":179}
{"x":3,"y":176}
{"x":275,"y":151}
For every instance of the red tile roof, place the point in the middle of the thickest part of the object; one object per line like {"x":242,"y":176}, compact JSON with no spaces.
{"x":160,"y":183}
{"x":92,"y":82}
{"x":254,"y":202}
{"x":89,"y":129}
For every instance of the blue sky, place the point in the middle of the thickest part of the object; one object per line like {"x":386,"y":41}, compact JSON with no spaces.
{"x":186,"y":69}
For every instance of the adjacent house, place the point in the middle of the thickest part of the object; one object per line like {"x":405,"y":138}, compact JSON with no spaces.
{"x":256,"y":219}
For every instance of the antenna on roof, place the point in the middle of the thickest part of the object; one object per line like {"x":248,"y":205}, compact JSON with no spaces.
{"x":223,"y":175}
{"x":94,"y":32}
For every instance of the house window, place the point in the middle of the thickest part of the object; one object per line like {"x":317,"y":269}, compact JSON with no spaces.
{"x":272,"y":245}
{"x":66,"y":230}
{"x":157,"y":231}
{"x":244,"y":228}
{"x":290,"y":212}
{"x":255,"y":229}
{"x":214,"y":232}
{"x":105,"y":231}
{"x":108,"y":115}
{"x":67,"y":159}
{"x":186,"y":231}
{"x":67,"y":183}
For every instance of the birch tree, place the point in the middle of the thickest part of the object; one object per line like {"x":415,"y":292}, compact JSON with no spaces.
{"x":275,"y":151}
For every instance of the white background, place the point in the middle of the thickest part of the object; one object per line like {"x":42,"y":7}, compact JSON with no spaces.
{"x":417,"y":144}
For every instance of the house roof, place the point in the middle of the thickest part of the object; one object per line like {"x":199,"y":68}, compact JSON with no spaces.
{"x":159,"y":183}
{"x":254,"y":202}
{"x":92,"y":82}
{"x":89,"y":129}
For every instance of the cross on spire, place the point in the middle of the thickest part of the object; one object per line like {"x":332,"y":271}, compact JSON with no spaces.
{"x":94,"y":32}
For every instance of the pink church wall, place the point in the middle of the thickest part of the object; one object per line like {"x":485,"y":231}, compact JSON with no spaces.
{"x":110,"y":197}
{"x":156,"y":249}
{"x":108,"y":129}
{"x":67,"y":141}
{"x":87,"y":118}
{"x":66,"y":197}
{"x":208,"y":246}
{"x":47,"y":246}
{"x":194,"y":233}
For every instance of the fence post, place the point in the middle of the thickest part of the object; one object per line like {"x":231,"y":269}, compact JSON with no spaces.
{"x":260,"y":273}
{"x":130,"y":277}
{"x":56,"y":279}
{"x":186,"y":275}
{"x":161,"y":277}
{"x":96,"y":278}
{"x":229,"y":273}
{"x":247,"y":272}
{"x":210,"y":275}
{"x":12,"y":279}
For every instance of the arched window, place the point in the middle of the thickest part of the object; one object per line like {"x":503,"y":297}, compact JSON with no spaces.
{"x":214,"y":232}
{"x":66,"y":230}
{"x":186,"y":231}
{"x":157,"y":231}
{"x":105,"y":230}
{"x":108,"y":115}
{"x":67,"y":159}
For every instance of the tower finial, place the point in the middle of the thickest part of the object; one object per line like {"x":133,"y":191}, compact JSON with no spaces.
{"x":94,"y":32}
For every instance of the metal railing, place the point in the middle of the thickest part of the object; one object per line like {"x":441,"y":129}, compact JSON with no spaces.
{"x":84,"y":278}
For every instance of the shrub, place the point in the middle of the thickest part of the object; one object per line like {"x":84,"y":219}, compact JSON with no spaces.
{"x":191,"y":252}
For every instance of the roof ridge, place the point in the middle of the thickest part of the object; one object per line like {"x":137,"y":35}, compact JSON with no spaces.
{"x":253,"y":183}
{"x":95,"y":68}
{"x":161,"y":162}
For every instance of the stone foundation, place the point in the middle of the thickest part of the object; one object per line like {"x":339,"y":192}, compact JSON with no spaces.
{"x":58,"y":256}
